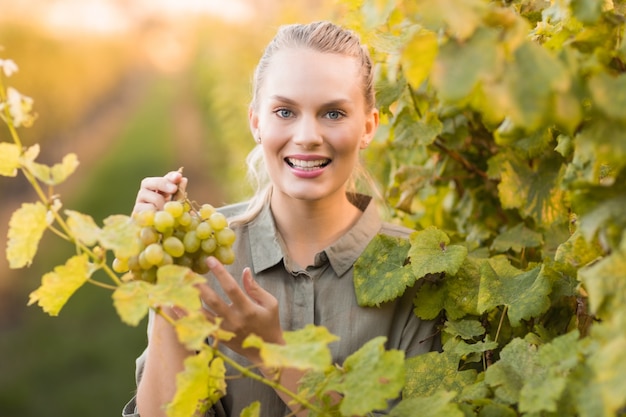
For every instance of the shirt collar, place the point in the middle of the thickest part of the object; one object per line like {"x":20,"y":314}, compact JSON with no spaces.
{"x":267,"y":252}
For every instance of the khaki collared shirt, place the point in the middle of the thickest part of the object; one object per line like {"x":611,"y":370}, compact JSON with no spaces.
{"x":321,"y":294}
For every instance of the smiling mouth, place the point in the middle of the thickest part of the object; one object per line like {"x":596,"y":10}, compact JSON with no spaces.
{"x":307,"y":165}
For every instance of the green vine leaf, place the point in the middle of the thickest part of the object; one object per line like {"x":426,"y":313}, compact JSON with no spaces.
{"x":524,"y":293}
{"x":431,"y":372}
{"x":9,"y":159}
{"x":461,"y":66}
{"x":606,"y":295}
{"x":531,"y":79}
{"x":530,"y":188}
{"x":380,"y":273}
{"x":26,"y":227}
{"x":369,"y":378}
{"x":517,"y":238}
{"x":198,"y":386}
{"x":304,"y":349}
{"x":431,"y":253}
{"x":457,"y":295}
{"x":83,"y":227}
{"x":518,"y":362}
{"x":58,"y":286}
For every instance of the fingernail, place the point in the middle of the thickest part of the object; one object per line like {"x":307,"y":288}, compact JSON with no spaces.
{"x":211,"y":262}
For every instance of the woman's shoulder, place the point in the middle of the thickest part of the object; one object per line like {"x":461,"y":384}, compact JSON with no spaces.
{"x":395,"y":230}
{"x":231,"y":210}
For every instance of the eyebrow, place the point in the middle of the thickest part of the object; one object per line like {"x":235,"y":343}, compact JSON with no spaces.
{"x":332,"y":103}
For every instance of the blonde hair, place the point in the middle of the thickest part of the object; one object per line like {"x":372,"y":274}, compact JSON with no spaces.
{"x":322,"y":36}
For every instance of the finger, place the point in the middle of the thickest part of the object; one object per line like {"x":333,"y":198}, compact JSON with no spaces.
{"x":212,"y":302}
{"x":164,"y":185}
{"x":256,"y":292}
{"x":231,"y":288}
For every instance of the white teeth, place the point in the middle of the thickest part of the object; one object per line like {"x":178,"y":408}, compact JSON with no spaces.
{"x":307,"y":164}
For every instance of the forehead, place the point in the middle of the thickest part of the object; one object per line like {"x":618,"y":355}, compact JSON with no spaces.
{"x":303,"y":71}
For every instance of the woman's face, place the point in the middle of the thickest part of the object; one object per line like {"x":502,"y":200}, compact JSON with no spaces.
{"x":312,"y":120}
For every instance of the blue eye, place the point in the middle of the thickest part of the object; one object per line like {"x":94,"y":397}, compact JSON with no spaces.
{"x":334,"y":114}
{"x":284,"y":113}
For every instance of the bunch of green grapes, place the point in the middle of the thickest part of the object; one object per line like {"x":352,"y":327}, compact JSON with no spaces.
{"x":181,"y":235}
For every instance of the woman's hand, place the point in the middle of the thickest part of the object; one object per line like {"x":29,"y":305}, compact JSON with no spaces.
{"x":251,"y":309}
{"x":155,"y":191}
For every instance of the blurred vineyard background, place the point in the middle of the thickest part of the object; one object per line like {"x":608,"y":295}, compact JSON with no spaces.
{"x":135,"y":88}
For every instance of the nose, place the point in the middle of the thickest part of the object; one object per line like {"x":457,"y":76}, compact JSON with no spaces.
{"x":307,"y":132}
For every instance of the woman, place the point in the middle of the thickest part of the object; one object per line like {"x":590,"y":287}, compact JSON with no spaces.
{"x":313,"y":110}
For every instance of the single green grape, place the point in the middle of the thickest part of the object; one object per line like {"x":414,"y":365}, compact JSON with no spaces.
{"x":225,"y":255}
{"x":204,"y":230}
{"x":225,"y":237}
{"x":175,"y":208}
{"x":208,"y":245}
{"x":200,"y":265}
{"x":153,"y":254}
{"x":120,"y":265}
{"x":206,"y":210}
{"x":163,"y":221}
{"x":185,"y":219}
{"x":145,"y":217}
{"x":174,"y":246}
{"x":191,"y":242}
{"x":143,"y":262}
{"x":148,"y":235}
{"x":218,"y":221}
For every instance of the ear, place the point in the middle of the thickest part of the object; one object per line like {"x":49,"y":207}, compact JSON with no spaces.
{"x":371,"y":124}
{"x":253,"y":120}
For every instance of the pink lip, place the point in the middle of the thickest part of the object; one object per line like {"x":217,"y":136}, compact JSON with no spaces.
{"x":309,"y":172}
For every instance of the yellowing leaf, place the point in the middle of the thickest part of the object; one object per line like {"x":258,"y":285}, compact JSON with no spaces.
{"x":194,"y":329}
{"x":199,"y":385}
{"x":121,"y":235}
{"x":418,"y":56}
{"x":83,"y":227}
{"x":176,"y":286}
{"x":132,"y":301}
{"x":305,"y":349}
{"x":58,"y":286}
{"x":253,"y":410}
{"x":57,"y":173}
{"x":9,"y":159}
{"x":26,"y":228}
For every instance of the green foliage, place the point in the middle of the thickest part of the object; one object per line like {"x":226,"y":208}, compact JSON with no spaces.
{"x":523,"y":166}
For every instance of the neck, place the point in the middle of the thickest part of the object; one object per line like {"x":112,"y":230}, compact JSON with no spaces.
{"x":307,"y":227}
